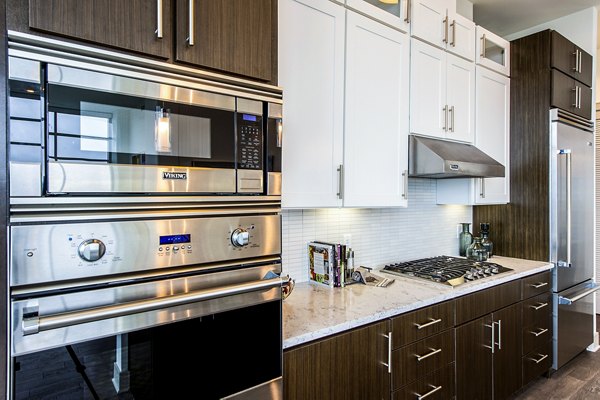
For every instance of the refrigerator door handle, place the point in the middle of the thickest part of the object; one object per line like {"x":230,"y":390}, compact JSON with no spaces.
{"x":567,"y":153}
{"x":578,"y":296}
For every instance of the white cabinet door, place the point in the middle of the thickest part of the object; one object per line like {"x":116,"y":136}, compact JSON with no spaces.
{"x":391,"y":13}
{"x":460,"y":97}
{"x":493,"y":133}
{"x":428,"y":21}
{"x":461,"y":36}
{"x":428,"y":115}
{"x":376,"y":117}
{"x":311,"y":72}
{"x":492,"y":51}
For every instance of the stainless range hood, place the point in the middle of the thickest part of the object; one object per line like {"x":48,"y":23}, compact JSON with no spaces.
{"x":435,"y":158}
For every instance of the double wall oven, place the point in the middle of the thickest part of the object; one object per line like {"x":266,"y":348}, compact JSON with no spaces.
{"x":145,"y":231}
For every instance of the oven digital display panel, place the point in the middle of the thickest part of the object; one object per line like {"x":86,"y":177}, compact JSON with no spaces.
{"x":248,"y":117}
{"x":175,"y":239}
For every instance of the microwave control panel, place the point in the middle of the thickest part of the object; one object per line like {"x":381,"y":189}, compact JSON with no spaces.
{"x":250,"y":142}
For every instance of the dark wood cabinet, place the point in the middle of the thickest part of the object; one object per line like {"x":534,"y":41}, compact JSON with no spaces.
{"x":474,"y":359}
{"x":571,"y":59}
{"x":227,"y":35}
{"x":507,"y":354}
{"x":486,"y":301}
{"x":130,"y":25}
{"x":571,"y":95}
{"x":422,"y":323}
{"x":345,"y":366}
{"x":438,"y":385}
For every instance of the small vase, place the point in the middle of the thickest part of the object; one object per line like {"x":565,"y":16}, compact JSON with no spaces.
{"x":485,"y":238}
{"x":476,"y":251}
{"x":464,"y":239}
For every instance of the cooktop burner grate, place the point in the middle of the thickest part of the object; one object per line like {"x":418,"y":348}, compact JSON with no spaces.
{"x":446,"y":269}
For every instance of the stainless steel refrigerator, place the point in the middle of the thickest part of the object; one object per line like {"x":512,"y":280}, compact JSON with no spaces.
{"x":572,"y":233}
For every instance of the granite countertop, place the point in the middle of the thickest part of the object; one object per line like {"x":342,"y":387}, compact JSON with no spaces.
{"x":314,"y":311}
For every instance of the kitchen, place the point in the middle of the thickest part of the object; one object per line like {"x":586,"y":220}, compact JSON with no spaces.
{"x":317,"y":165}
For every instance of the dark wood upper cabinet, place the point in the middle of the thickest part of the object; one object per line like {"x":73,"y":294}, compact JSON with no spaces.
{"x":570,"y":59}
{"x":227,"y":35}
{"x":571,"y":95}
{"x":129,"y":25}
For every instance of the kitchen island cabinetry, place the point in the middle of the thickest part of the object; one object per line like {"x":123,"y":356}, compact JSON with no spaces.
{"x":346,"y":366}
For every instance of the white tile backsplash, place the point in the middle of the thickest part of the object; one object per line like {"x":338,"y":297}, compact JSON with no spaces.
{"x":379,"y":235}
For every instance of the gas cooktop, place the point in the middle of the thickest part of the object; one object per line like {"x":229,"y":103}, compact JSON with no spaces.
{"x":445,"y":269}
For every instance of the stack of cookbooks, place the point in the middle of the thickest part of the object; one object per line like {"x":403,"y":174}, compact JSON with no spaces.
{"x":331,"y":264}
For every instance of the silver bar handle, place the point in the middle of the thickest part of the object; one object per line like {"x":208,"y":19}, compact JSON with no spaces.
{"x":405,"y":178}
{"x":482,"y":53}
{"x":279,"y":127}
{"x":407,"y":15}
{"x":191,"y":23}
{"x":570,"y":300}
{"x":451,"y":112}
{"x":492,"y":326}
{"x":38,"y":323}
{"x":432,"y":353}
{"x":538,"y":285}
{"x":580,"y":60}
{"x":453,"y":25}
{"x":445,"y":111}
{"x":576,"y":90}
{"x":540,"y":332}
{"x":482,"y":188}
{"x":389,"y":363}
{"x":579,"y":97}
{"x":576,"y":54}
{"x":432,"y":391}
{"x":569,"y":205}
{"x":544,"y":356}
{"x":340,"y":170}
{"x":159,"y":19}
{"x":445,"y":22}
{"x":539,"y":306}
{"x":499,"y":343}
{"x":431,"y":322}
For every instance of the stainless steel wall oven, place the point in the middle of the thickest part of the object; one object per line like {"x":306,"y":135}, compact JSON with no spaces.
{"x":145,"y":230}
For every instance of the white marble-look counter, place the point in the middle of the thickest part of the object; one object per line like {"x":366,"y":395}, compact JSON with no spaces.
{"x":314,"y":311}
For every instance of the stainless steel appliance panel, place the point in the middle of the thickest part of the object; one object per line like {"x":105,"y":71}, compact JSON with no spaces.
{"x":573,"y":322}
{"x":52,"y":253}
{"x":73,"y":177}
{"x":571,"y":204}
{"x":272,"y":390}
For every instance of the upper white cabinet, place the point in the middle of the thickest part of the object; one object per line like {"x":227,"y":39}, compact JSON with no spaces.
{"x":376,"y":114}
{"x":493,"y":138}
{"x":442,"y":94}
{"x":436,"y":22}
{"x":394,"y":13}
{"x":492,"y":51}
{"x":311,"y":71}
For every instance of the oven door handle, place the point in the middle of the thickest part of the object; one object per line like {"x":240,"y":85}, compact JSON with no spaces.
{"x":34,"y":323}
{"x":563,"y":300}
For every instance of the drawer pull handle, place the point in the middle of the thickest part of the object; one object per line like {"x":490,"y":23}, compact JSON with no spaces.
{"x":540,"y":359}
{"x":424,"y":356}
{"x":538,"y":285}
{"x":536,"y":334}
{"x":389,"y":360}
{"x":432,"y":321}
{"x":539,"y":306}
{"x":432,"y":391}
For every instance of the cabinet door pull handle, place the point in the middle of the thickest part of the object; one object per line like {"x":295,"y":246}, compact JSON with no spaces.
{"x":576,"y":54}
{"x":340,"y":193}
{"x":579,"y":97}
{"x":445,"y":22}
{"x":407,"y":15}
{"x":540,"y":332}
{"x":539,"y":306}
{"x":431,"y":322}
{"x":482,"y":188}
{"x":451,"y":112}
{"x":432,"y":353}
{"x":389,"y":363}
{"x":580,"y":58}
{"x":405,"y":178}
{"x":432,"y":391}
{"x":453,"y":25}
{"x":191,"y":21}
{"x":159,"y":19}
{"x":499,"y":343}
{"x":576,"y":92}
{"x":538,"y":285}
{"x":543,"y":357}
{"x":482,"y":53}
{"x":445,"y":110}
{"x":492,"y":326}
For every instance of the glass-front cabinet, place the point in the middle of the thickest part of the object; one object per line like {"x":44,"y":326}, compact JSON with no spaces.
{"x":493,"y":51}
{"x":392,"y":12}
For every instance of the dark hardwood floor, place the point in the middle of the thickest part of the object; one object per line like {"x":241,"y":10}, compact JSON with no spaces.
{"x":577,"y":380}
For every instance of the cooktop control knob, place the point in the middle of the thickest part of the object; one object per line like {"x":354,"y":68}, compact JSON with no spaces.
{"x":240,"y":237}
{"x":92,"y":250}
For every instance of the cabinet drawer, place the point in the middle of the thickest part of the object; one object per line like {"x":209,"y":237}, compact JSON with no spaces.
{"x":534,"y":336}
{"x":415,"y":361}
{"x":571,"y":95}
{"x":408,"y":328}
{"x":486,"y":301}
{"x":536,"y":284}
{"x":570,"y":59}
{"x":439,"y":384}
{"x":537,"y":309}
{"x":537,"y":362}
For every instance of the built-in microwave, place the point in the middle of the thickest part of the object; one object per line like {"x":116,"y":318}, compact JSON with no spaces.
{"x":77,"y":130}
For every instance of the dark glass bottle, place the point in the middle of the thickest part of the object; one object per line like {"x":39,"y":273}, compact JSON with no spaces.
{"x":485,"y":238}
{"x":476,"y":251}
{"x":464,"y":239}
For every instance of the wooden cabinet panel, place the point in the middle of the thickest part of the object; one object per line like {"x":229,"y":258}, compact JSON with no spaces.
{"x":429,"y":21}
{"x":227,"y":35}
{"x":536,"y":284}
{"x":414,"y":361}
{"x":460,"y":97}
{"x":346,"y":366}
{"x":461,"y":36}
{"x":571,"y":95}
{"x":537,"y":362}
{"x":537,"y":309}
{"x":485,"y":301}
{"x":474,"y":359}
{"x":129,"y":25}
{"x":408,"y":328}
{"x":570,"y":59}
{"x":507,"y":353}
{"x":440,"y":384}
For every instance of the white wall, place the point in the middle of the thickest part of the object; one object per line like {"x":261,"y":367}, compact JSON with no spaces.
{"x":465,"y":8}
{"x":379,"y":236}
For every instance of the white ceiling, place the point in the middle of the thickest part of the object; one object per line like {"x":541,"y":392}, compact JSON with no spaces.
{"x":504,"y":17}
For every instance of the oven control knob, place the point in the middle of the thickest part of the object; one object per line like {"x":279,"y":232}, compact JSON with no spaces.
{"x":91,"y":250}
{"x":240,"y":237}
